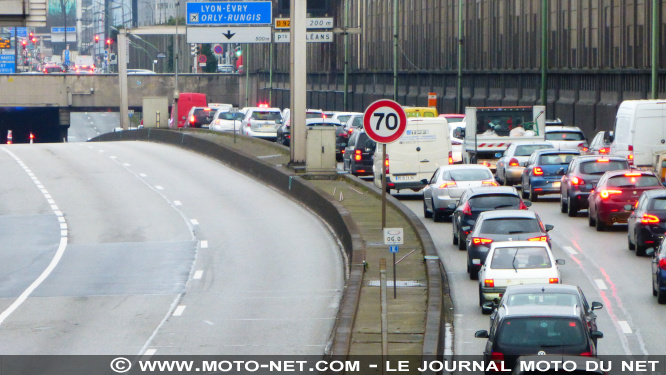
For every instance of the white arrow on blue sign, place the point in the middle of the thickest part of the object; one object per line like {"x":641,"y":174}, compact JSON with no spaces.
{"x":394,"y":248}
{"x":230,"y":13}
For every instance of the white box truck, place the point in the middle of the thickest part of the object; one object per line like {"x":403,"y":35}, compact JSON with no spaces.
{"x":640,"y":132}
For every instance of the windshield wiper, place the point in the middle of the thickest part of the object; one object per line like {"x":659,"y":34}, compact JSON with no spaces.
{"x":517,"y":231}
{"x":503,"y":205}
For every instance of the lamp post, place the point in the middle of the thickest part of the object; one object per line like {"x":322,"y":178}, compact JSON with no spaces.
{"x":154,"y":62}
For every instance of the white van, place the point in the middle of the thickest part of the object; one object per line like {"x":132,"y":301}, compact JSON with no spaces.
{"x":640,"y":131}
{"x":415,"y":156}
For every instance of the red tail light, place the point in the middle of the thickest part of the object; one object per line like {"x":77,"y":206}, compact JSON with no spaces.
{"x":554,"y":280}
{"x":586,"y":354}
{"x":522,"y":206}
{"x":351,"y":130}
{"x":447,"y":184}
{"x":603,"y":160}
{"x":466,"y":209}
{"x":489,"y":283}
{"x":450,"y":157}
{"x":607,"y":193}
{"x":481,"y":241}
{"x":192,"y":119}
{"x":513,"y":162}
{"x":604,"y":150}
{"x":577,"y":181}
{"x":649,"y":219}
{"x":386,"y":162}
{"x":582,"y":147}
{"x":540,"y":238}
{"x":537,"y":171}
{"x":489,"y":182}
{"x":632,"y":174}
{"x":630,"y":157}
{"x":357,"y":155}
{"x":662,"y":263}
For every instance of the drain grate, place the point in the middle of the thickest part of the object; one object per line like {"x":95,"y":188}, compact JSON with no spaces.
{"x":399,"y":283}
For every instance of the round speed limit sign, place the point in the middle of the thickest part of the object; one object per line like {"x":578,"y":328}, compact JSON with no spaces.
{"x":384,"y":121}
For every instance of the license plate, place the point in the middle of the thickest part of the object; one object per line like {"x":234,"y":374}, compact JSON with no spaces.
{"x":403,"y":178}
{"x":556,"y":184}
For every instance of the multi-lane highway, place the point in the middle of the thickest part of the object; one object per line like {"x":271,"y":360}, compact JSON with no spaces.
{"x":133,"y":247}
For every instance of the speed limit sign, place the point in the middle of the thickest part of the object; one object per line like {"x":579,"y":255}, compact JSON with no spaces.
{"x":384,"y":121}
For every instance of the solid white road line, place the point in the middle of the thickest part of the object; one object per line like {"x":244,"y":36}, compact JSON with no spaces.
{"x":570,"y":250}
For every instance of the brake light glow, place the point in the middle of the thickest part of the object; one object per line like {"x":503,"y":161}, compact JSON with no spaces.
{"x":466,"y":209}
{"x":489,"y":182}
{"x":489,"y":283}
{"x":586,"y":354}
{"x":481,"y":241}
{"x":192,"y":119}
{"x":572,"y":324}
{"x":553,"y":280}
{"x":351,"y":130}
{"x":263,"y":105}
{"x":537,"y":171}
{"x":522,"y":206}
{"x":540,"y":238}
{"x":603,"y":160}
{"x":649,"y":219}
{"x":577,"y":181}
{"x":630,"y":157}
{"x":607,"y":193}
{"x":450,"y":157}
{"x":604,"y":150}
{"x":582,"y":147}
{"x":386,"y":162}
{"x":206,"y":109}
{"x":447,"y":184}
{"x":632,"y":174}
{"x":513,"y":162}
{"x":662,"y":263}
{"x":357,"y":155}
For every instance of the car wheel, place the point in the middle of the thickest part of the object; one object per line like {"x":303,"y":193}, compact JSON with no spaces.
{"x":454,"y":237}
{"x":462,"y":244}
{"x":524,"y":193}
{"x":472,"y":271}
{"x":590,"y":220}
{"x":600,"y":225}
{"x":572,"y":208}
{"x":427,"y":214}
{"x":481,"y":301}
{"x":640,"y":250}
{"x":533,"y":195}
{"x":563,"y":206}
{"x":437,"y":216}
{"x":661,"y":297}
{"x":629,"y":244}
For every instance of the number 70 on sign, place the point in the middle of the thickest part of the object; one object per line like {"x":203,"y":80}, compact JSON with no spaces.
{"x":384,"y":121}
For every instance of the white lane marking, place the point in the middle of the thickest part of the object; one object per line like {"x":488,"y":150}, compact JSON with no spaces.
{"x":570,"y":250}
{"x":149,"y":352}
{"x":158,"y":187}
{"x":54,"y":207}
{"x":197,"y":275}
{"x":127,"y":164}
{"x":52,"y":265}
{"x":179,"y":310}
{"x":51,"y":201}
{"x":63,"y":225}
{"x":46,"y":194}
{"x":177,"y":203}
{"x":204,"y":244}
{"x":63,"y":233}
{"x":112,"y":157}
{"x":194,"y":221}
{"x":625,"y":326}
{"x":61,"y":219}
{"x":600,"y":284}
{"x":142,"y":175}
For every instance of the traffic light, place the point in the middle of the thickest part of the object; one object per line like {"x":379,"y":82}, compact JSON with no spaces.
{"x":33,"y":40}
{"x":109,"y":41}
{"x":24,"y":43}
{"x":96,"y":38}
{"x":238,"y":51}
{"x":193,"y":49}
{"x":32,"y":35}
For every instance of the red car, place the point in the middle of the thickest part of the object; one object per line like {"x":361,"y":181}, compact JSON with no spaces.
{"x":614,"y":191}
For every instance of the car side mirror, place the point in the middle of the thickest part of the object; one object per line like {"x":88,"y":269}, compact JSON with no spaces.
{"x":597,"y":335}
{"x":424,"y":181}
{"x":498,"y":154}
{"x":524,"y":164}
{"x":549,"y":227}
{"x":527,"y":203}
{"x":650,"y":252}
{"x":608,"y":138}
{"x":483,"y":334}
{"x":559,"y":262}
{"x":451,"y":206}
{"x":629,"y":207}
{"x":278,"y":121}
{"x":487,"y":308}
{"x":596,"y":306}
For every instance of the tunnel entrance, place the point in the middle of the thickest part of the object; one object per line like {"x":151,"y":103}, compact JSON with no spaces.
{"x":43,"y":123}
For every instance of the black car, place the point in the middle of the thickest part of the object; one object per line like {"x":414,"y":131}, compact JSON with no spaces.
{"x":200,"y":117}
{"x":528,"y":329}
{"x":479,"y":199}
{"x":646,"y":225}
{"x":357,"y":156}
{"x":546,"y":295}
{"x":659,"y":273}
{"x":502,"y":225}
{"x":581,"y":178}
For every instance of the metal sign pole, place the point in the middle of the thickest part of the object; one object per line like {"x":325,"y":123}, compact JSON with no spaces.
{"x":383,"y":185}
{"x":395,"y":278}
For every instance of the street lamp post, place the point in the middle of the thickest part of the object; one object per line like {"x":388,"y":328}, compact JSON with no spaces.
{"x":154,"y":62}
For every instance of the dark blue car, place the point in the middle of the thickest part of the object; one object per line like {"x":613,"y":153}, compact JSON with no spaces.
{"x":646,"y":226}
{"x":659,"y":273}
{"x":544,"y":170}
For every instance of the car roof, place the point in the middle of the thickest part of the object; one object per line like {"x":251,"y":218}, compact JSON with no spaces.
{"x":542,"y":288}
{"x":572,"y":129}
{"x":620,"y":172}
{"x":492,"y":190}
{"x":322,"y":120}
{"x":519,"y":143}
{"x":549,"y":151}
{"x":519,"y":244}
{"x":655,"y":193}
{"x":500,"y":214}
{"x":538,"y":311}
{"x":597,"y":157}
{"x":451,"y":167}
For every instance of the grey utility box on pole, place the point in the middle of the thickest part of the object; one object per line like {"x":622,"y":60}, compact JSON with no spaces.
{"x":320,"y":150}
{"x":155,"y":112}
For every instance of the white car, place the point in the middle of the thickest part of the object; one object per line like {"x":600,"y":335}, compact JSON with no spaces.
{"x":343,"y":117}
{"x":261,"y":122}
{"x":516,"y":263}
{"x":566,"y":137}
{"x":225,"y":120}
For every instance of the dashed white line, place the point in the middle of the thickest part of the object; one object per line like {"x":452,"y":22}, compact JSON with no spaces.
{"x":600,"y":284}
{"x":204,"y":244}
{"x":127,"y":164}
{"x":197,"y":275}
{"x":142,"y":175}
{"x":179,"y":310}
{"x":63,"y":233}
{"x":149,"y":352}
{"x":112,"y":157}
{"x":177,"y":203}
{"x":194,"y":221}
{"x":63,"y":225}
{"x":54,"y":207}
{"x":158,"y":187}
{"x":625,"y":326}
{"x":570,"y":250}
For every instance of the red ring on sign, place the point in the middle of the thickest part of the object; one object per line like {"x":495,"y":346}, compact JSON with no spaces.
{"x":369,"y":112}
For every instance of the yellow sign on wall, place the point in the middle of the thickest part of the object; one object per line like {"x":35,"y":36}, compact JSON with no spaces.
{"x":5,"y":43}
{"x":282,"y":23}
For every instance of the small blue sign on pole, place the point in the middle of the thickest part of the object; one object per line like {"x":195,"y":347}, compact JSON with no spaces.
{"x":393,"y":249}
{"x":230,"y":13}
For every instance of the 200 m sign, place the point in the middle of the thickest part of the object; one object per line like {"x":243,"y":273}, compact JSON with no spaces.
{"x":384,"y":121}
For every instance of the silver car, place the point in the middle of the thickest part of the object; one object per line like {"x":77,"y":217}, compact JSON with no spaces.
{"x":510,"y":166}
{"x":443,"y":191}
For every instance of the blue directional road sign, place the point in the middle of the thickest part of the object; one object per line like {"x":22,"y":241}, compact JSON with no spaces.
{"x":62,"y":29}
{"x":7,"y":64}
{"x":230,"y":13}
{"x":393,"y":249}
{"x":66,"y":57}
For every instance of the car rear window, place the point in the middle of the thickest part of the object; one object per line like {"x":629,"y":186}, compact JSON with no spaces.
{"x":596,"y":167}
{"x":554,"y":159}
{"x":527,"y":150}
{"x":507,"y":225}
{"x":565,"y":136}
{"x":507,"y":258}
{"x":658,"y":204}
{"x":467,"y":175}
{"x":548,"y":299}
{"x":313,"y":115}
{"x":633,"y":181}
{"x":541,"y":332}
{"x":494,"y":202}
{"x":455,"y":119}
{"x":357,"y":122}
{"x":266,"y":115}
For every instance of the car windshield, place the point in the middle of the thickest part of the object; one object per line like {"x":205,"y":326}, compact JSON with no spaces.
{"x":596,"y":167}
{"x":467,"y":175}
{"x":548,"y":299}
{"x":357,"y":122}
{"x":455,"y":119}
{"x":510,"y":225}
{"x":343,"y":118}
{"x":633,"y":181}
{"x":658,"y":204}
{"x":527,"y":150}
{"x":203,"y":113}
{"x":313,"y":115}
{"x":266,"y":115}
{"x":494,"y":201}
{"x":565,"y":136}
{"x":541,"y":332}
{"x":507,"y":258}
{"x":313,"y":123}
{"x":555,"y":159}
